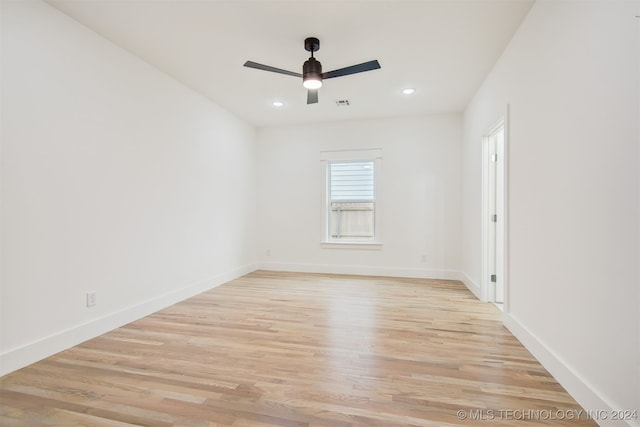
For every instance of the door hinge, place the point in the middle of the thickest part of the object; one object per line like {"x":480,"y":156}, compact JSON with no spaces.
{"x":493,"y":278}
{"x":494,"y":157}
{"x":494,"y":218}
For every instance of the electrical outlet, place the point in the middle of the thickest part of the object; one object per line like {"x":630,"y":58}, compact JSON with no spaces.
{"x":424,"y":258}
{"x":268,"y":252}
{"x":91,"y":299}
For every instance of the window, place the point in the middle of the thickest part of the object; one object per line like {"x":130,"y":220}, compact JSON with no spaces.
{"x":351,"y":208}
{"x":351,"y":201}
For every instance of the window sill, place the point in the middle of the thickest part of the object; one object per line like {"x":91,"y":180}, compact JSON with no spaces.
{"x":351,"y":245}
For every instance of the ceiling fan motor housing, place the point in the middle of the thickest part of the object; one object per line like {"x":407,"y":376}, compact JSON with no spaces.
{"x":312,"y":68}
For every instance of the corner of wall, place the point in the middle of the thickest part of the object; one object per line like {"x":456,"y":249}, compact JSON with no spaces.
{"x":471,"y":285}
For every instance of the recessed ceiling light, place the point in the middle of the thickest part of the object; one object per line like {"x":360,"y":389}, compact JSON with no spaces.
{"x":277,"y":104}
{"x":408,"y":91}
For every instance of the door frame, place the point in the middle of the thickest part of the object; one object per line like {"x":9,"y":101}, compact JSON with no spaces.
{"x":487,"y":288}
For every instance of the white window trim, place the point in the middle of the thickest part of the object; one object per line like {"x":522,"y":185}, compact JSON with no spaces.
{"x":351,"y":245}
{"x":374,"y":155}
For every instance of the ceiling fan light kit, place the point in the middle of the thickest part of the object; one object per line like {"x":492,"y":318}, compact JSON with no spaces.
{"x":312,"y":74}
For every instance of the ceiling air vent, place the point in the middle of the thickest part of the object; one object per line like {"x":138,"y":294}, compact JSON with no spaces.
{"x":342,"y":103}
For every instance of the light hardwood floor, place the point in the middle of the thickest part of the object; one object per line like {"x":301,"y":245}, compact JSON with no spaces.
{"x":289,"y":349}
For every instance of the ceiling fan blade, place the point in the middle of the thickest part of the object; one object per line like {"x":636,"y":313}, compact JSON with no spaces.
{"x":312,"y":96}
{"x":251,"y":64}
{"x":365,"y":66}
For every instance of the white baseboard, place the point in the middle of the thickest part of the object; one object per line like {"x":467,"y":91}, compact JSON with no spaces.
{"x":416,"y":273}
{"x":471,"y":285}
{"x":583,"y":392}
{"x":24,"y":355}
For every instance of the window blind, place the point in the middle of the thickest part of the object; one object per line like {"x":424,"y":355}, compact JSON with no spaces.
{"x":351,"y":181}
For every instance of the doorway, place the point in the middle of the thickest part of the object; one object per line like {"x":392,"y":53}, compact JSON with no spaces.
{"x":493,"y":283}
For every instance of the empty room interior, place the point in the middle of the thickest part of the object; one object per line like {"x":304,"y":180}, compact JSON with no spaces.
{"x":320,"y":213}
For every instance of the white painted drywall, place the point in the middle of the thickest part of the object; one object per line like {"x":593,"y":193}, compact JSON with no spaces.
{"x":570,"y":76}
{"x":115,"y":179}
{"x":420,"y":196}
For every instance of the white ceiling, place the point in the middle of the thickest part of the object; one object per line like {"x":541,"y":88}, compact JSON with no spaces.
{"x":443,"y":49}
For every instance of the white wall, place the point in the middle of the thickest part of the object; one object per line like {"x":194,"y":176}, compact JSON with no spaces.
{"x":420,"y":196}
{"x":115,"y":178}
{"x":570,"y":76}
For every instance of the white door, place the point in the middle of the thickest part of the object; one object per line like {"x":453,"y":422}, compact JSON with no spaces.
{"x":493,"y":216}
{"x":499,"y":216}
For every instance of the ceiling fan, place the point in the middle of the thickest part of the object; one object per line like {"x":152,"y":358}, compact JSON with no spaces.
{"x":312,"y":74}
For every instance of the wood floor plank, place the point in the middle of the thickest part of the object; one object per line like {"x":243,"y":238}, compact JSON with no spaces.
{"x":292,"y":349}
